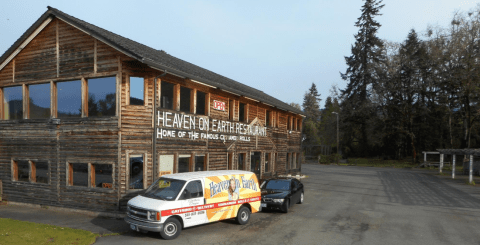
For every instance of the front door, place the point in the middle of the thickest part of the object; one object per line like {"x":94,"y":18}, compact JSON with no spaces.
{"x":166,"y":164}
{"x":255,"y":163}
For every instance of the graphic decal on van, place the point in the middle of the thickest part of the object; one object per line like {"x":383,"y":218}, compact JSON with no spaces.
{"x":240,"y":188}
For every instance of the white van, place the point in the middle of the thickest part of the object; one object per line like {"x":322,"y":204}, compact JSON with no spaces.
{"x":175,"y":201}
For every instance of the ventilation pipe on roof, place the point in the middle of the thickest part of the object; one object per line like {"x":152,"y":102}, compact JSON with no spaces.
{"x":154,"y":154}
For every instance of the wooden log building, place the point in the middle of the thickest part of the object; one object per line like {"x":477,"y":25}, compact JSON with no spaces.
{"x":83,"y":110}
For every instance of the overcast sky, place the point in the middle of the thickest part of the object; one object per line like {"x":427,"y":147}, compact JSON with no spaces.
{"x":279,"y":47}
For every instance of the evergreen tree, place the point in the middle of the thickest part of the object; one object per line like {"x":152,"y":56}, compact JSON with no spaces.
{"x":361,"y":73}
{"x":311,"y":102}
{"x":311,"y":123}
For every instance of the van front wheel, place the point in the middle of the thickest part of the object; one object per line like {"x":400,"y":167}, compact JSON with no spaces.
{"x":171,"y":229}
{"x":243,"y":215}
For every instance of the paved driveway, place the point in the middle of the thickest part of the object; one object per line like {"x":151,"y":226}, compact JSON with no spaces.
{"x":351,"y":205}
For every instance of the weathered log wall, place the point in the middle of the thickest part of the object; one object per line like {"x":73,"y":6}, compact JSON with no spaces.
{"x":60,"y":52}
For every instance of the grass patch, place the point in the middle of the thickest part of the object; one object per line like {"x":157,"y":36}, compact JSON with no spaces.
{"x":23,"y":232}
{"x":468,"y":183}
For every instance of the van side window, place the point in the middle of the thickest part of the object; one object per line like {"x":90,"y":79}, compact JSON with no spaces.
{"x":194,"y":188}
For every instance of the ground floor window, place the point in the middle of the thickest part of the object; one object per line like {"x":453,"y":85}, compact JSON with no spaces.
{"x":255,"y":162}
{"x":40,"y":172}
{"x":102,"y":175}
{"x":30,"y":171}
{"x":267,"y":162}
{"x":241,"y":161}
{"x":78,"y":174}
{"x":184,"y":163}
{"x":136,"y":171}
{"x":200,"y":163}
{"x":21,"y":171}
{"x":90,"y":175}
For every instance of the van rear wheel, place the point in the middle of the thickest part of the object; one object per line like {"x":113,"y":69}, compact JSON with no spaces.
{"x":171,"y":229}
{"x":243,"y":215}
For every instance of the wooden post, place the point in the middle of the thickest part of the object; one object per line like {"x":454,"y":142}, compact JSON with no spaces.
{"x":207,"y":104}
{"x":57,"y":48}
{"x":441,"y":163}
{"x":193,"y":101}
{"x":425,"y":159}
{"x":176,"y":97}
{"x":25,"y":101}
{"x":470,"y":170}
{"x":95,"y":56}
{"x":453,"y":166}
{"x":84,"y":97}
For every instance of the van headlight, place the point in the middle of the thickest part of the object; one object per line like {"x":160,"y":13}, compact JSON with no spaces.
{"x":278,"y":200}
{"x":155,"y":216}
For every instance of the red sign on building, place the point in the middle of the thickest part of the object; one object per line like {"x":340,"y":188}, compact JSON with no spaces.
{"x":219,"y":105}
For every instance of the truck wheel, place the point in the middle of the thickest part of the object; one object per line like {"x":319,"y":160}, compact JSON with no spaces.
{"x":171,"y":229}
{"x":286,"y":205}
{"x":243,"y":215}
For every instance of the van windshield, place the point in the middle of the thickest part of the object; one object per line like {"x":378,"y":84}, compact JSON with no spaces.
{"x":164,"y":189}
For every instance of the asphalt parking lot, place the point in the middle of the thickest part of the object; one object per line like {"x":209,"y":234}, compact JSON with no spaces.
{"x":352,"y":205}
{"x":343,"y":205}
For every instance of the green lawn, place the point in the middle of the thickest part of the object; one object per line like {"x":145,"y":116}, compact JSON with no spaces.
{"x":23,"y":232}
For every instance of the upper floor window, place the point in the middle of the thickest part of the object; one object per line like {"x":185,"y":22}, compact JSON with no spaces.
{"x":242,"y":113}
{"x":102,"y":97}
{"x":231,"y":109}
{"x":69,"y":99}
{"x":185,"y":97}
{"x":201,"y":102}
{"x":13,"y":103}
{"x":268,"y":118}
{"x":39,"y":101}
{"x":137,"y":86}
{"x":166,"y":98}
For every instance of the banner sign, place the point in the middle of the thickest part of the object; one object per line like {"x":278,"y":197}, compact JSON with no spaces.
{"x":177,"y":125}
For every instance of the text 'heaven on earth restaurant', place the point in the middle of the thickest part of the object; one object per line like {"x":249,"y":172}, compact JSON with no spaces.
{"x":89,"y":118}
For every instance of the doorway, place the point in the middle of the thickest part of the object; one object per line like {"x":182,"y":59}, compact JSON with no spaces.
{"x":255,"y":163}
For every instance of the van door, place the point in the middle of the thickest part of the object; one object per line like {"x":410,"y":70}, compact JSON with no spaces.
{"x":192,"y":196}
